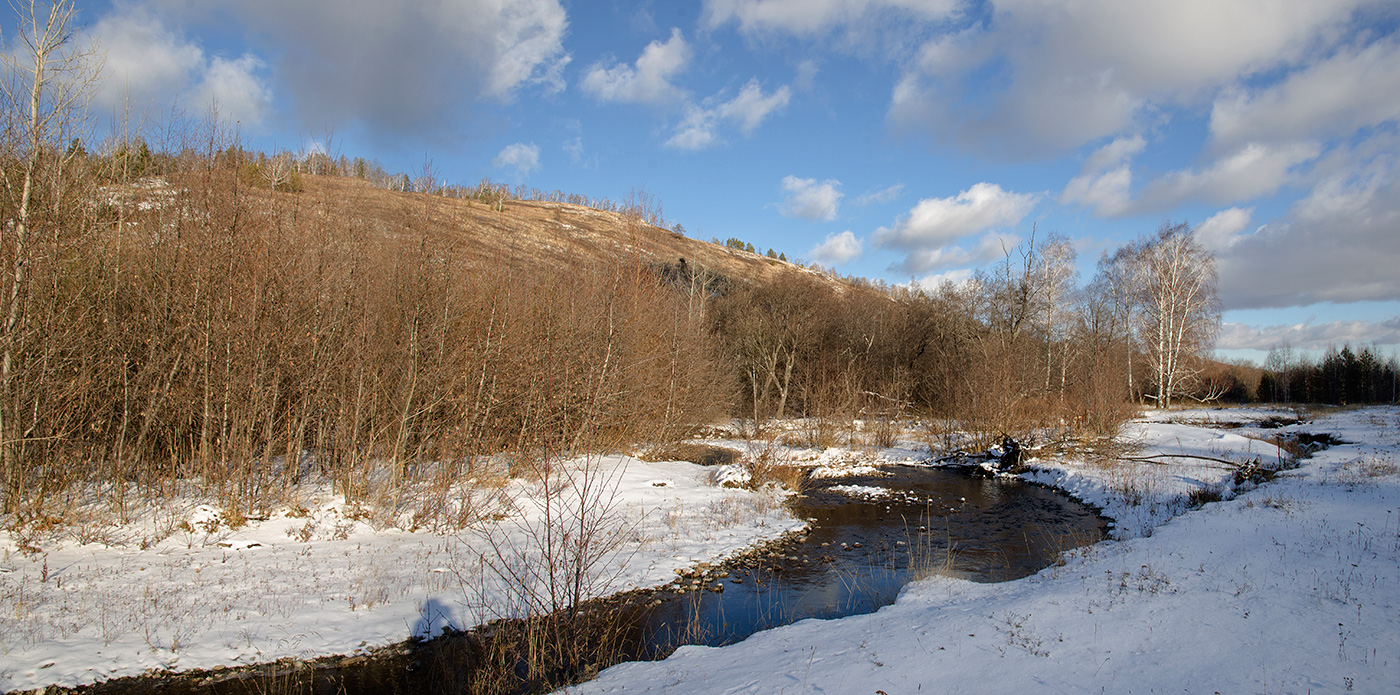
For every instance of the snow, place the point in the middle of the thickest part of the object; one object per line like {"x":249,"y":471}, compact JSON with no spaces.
{"x":1292,"y":586}
{"x":869,"y":491}
{"x":316,"y":579}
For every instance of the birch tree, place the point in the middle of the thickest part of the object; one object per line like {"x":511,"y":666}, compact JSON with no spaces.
{"x":1180,"y":310}
{"x":1054,"y":278}
{"x":47,"y":83}
{"x":1120,"y":278}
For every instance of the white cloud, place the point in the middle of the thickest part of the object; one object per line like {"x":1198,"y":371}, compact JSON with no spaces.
{"x":700,"y":126}
{"x":750,"y":107}
{"x":837,"y":248}
{"x":936,"y":281}
{"x":529,"y":47}
{"x":233,"y":86}
{"x":1067,"y":73}
{"x":1355,"y":88}
{"x":696,"y":131}
{"x":1107,"y":192}
{"x":935,"y":222}
{"x":1223,"y":229}
{"x":404,"y":69}
{"x":883,"y":195}
{"x":807,"y":17}
{"x":523,"y":158}
{"x":150,"y":68}
{"x":1253,"y":171}
{"x":1337,"y":244}
{"x":932,"y":230}
{"x":648,"y":81}
{"x":1309,"y":336}
{"x":924,"y":260}
{"x":1114,"y":154}
{"x":811,"y":200}
{"x":574,"y":148}
{"x":989,"y":247}
{"x":145,"y":60}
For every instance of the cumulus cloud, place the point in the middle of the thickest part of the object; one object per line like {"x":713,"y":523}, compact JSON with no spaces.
{"x":1223,"y":229}
{"x":1336,"y":244}
{"x":810,"y":199}
{"x":1109,"y":193}
{"x":233,"y":86}
{"x":989,"y":247}
{"x":935,"y":222}
{"x":696,"y":131}
{"x":648,"y":80}
{"x":1309,"y":336}
{"x":151,"y":68}
{"x":1105,"y":182}
{"x":1114,"y":154}
{"x":837,"y":248}
{"x":1253,"y":171}
{"x":1356,"y":88}
{"x":883,"y":195}
{"x":143,"y":57}
{"x":808,"y":17}
{"x":937,"y":281}
{"x":748,"y":109}
{"x":1070,"y":73}
{"x":405,"y":68}
{"x":523,"y":158}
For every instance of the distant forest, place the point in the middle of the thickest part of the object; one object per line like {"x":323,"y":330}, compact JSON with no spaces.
{"x":1341,"y":377}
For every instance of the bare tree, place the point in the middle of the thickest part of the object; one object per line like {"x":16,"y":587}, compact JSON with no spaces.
{"x":1120,"y":280}
{"x":1181,"y":312}
{"x":1281,"y":363}
{"x":46,"y":89}
{"x":1054,"y":276}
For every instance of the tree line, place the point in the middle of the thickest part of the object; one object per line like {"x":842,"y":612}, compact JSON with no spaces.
{"x":195,"y":316}
{"x":1017,"y":348}
{"x":1350,"y":376}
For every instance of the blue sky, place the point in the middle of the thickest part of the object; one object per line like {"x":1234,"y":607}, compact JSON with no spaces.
{"x":905,"y":140}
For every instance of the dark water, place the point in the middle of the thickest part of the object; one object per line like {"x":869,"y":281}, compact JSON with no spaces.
{"x":856,"y":556}
{"x":860,"y":552}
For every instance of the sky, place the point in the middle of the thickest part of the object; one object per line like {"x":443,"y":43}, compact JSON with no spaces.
{"x":911,"y":141}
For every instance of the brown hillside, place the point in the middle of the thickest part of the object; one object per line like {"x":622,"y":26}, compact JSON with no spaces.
{"x":528,"y":233}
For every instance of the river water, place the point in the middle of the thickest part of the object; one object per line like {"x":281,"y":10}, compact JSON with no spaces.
{"x":867,"y":538}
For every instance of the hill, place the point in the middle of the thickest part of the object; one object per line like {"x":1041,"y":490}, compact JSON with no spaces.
{"x":527,"y":233}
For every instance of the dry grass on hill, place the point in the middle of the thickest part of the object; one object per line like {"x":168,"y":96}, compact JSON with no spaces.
{"x":526,"y":233}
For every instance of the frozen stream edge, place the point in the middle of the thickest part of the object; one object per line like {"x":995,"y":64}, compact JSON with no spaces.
{"x":1293,"y":586}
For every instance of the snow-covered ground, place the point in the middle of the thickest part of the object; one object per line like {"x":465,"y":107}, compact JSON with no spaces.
{"x":1289,"y":587}
{"x":318,"y":581}
{"x":1293,"y":586}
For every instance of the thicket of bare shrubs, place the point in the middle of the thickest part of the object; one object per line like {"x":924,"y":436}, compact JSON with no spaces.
{"x":1016,"y":351}
{"x":190,"y":327}
{"x":194,"y":317}
{"x":200,"y":324}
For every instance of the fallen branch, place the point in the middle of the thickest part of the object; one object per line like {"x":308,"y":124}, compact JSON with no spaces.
{"x":1148,"y":459}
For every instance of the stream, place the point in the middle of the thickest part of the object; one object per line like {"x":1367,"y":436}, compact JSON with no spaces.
{"x":868,"y":536}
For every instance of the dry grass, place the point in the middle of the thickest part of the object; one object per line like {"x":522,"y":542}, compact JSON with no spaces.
{"x":1365,"y":470}
{"x":769,"y":463}
{"x":527,"y":235}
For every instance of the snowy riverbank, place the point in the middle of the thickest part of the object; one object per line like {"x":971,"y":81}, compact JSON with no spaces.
{"x":317,"y":580}
{"x":1292,"y":587}
{"x":1289,"y":587}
